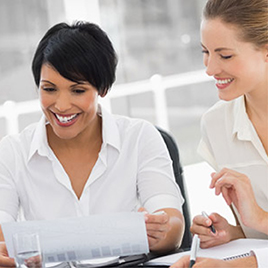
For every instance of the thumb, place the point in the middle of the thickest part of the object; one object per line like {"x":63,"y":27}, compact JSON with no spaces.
{"x":215,"y":217}
{"x":145,"y":212}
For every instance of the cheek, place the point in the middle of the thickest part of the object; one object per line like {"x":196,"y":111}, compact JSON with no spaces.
{"x":237,"y":70}
{"x":45,"y":100}
{"x":246,"y":72}
{"x":89,"y":104}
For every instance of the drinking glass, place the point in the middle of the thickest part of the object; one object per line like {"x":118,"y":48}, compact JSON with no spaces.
{"x":27,"y":250}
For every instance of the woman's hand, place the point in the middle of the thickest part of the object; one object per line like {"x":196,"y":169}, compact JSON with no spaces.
{"x":236,"y":188}
{"x":5,"y":261}
{"x":224,"y":231}
{"x":216,"y":263}
{"x":165,"y":230}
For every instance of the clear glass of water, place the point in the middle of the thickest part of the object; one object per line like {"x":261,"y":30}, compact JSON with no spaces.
{"x":27,"y":250}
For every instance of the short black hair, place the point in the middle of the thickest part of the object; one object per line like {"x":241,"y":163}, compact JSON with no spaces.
{"x":79,"y":52}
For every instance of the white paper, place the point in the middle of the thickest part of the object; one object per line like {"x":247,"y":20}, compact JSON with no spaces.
{"x":96,"y":236}
{"x":231,"y":249}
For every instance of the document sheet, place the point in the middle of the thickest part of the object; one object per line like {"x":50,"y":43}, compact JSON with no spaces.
{"x":82,"y":238}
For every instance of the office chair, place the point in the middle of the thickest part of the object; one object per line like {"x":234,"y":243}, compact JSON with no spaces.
{"x":178,"y":172}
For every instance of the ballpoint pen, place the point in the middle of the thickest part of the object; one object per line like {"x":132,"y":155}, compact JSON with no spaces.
{"x":211,"y":226}
{"x":194,"y":249}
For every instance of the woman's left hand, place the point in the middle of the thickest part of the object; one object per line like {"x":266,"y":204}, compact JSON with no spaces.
{"x":164,"y":230}
{"x":236,"y":188}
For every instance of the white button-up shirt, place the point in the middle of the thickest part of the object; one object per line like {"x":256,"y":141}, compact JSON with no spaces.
{"x":230,"y":140}
{"x":133,"y":169}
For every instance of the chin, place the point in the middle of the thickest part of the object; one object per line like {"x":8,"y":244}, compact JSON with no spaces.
{"x":226,"y":97}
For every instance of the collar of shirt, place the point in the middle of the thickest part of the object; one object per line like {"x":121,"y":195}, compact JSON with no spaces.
{"x":242,"y":123}
{"x":244,"y":129}
{"x":110,"y":135}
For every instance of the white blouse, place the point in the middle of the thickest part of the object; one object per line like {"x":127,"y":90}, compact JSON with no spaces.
{"x":230,"y":140}
{"x":133,"y":169}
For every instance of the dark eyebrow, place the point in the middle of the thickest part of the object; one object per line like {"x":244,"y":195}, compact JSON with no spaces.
{"x":46,"y":81}
{"x":75,"y":84}
{"x":80,"y":83}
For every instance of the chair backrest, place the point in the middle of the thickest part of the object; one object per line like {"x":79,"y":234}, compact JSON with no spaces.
{"x":178,"y":172}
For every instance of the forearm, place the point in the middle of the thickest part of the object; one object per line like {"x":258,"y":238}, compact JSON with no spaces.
{"x":263,"y":222}
{"x":174,"y":235}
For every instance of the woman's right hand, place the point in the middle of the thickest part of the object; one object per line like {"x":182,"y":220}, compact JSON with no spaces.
{"x":5,"y":261}
{"x":224,"y":230}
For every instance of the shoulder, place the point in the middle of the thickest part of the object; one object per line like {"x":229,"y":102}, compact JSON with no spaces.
{"x":134,"y":126}
{"x":219,"y":111}
{"x":124,"y":125}
{"x":17,"y":142}
{"x":139,"y":133}
{"x":222,"y":114}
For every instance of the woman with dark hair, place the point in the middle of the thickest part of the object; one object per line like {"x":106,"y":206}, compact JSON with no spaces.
{"x":80,"y":160}
{"x":234,"y":38}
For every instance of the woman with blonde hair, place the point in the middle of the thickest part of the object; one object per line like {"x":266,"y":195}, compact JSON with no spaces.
{"x":234,"y":39}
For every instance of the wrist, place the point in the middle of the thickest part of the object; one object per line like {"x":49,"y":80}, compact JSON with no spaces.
{"x":262,"y":219}
{"x":235,"y":232}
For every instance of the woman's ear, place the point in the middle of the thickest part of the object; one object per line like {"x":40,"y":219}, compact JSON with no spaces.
{"x":266,"y":52}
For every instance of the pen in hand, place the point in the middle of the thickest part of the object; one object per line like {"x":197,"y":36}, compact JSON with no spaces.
{"x":194,"y":249}
{"x":211,"y":226}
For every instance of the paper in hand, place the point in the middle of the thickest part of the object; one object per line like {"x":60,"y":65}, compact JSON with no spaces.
{"x":82,"y":238}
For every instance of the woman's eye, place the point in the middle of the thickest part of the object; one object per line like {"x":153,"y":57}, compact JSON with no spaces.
{"x":79,"y":91}
{"x":204,"y":51}
{"x":49,"y":89}
{"x":226,"y":57}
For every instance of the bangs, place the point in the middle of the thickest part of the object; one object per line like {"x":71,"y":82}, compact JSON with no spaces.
{"x":72,"y":64}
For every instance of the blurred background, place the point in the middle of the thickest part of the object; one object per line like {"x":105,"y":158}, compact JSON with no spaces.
{"x":160,"y":76}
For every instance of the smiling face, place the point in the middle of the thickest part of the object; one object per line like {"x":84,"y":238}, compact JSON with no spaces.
{"x":69,"y":107}
{"x":238,"y":67}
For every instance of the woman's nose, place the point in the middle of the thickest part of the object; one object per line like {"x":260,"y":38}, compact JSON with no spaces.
{"x":212,"y":67}
{"x":63,"y":102}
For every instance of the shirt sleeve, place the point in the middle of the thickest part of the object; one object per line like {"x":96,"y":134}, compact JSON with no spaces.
{"x":261,"y":256}
{"x":9,"y":202}
{"x":157,"y":187}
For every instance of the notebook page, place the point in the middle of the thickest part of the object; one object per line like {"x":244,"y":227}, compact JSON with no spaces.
{"x":232,"y":249}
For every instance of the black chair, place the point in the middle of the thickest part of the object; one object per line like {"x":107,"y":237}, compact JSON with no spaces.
{"x":178,"y":172}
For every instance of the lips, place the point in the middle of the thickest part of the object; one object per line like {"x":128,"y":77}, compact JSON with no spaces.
{"x":223,"y":82}
{"x":66,"y":120}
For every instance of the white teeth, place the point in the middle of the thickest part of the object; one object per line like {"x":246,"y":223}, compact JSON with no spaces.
{"x":65,"y":119}
{"x":225,"y":81}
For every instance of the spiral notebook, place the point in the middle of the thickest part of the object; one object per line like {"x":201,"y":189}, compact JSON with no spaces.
{"x":232,"y":250}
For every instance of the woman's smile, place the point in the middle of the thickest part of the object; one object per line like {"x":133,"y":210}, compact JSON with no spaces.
{"x":66,"y":120}
{"x":222,"y":83}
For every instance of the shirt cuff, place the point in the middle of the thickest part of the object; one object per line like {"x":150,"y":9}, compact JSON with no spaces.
{"x":261,"y":255}
{"x":163,"y":201}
